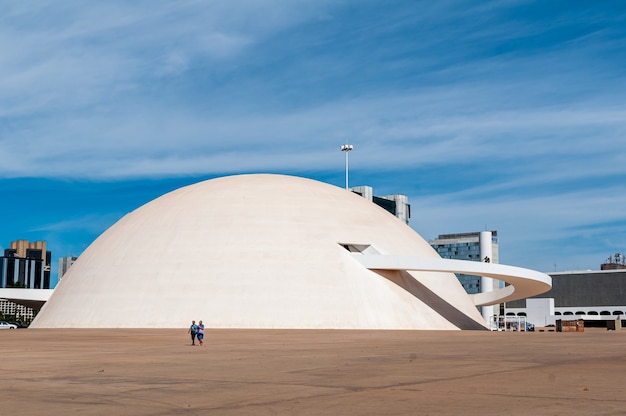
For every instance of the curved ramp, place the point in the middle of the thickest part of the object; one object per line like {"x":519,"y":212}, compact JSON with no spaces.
{"x":523,"y":283}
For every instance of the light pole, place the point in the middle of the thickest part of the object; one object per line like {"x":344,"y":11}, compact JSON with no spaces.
{"x":346,"y":148}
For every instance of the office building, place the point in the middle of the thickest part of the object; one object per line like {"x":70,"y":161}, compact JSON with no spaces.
{"x":595,"y":296}
{"x":25,"y":265}
{"x":466,"y":246}
{"x":396,"y":204}
{"x":64,"y":264}
{"x":475,"y":246}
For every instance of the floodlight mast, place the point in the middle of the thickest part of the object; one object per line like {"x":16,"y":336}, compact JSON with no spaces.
{"x":346,"y":148}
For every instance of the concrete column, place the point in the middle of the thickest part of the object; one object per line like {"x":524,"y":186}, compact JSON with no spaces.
{"x":486,"y":283}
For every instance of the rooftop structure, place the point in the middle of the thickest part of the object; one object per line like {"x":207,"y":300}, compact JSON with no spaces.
{"x":618,"y":261}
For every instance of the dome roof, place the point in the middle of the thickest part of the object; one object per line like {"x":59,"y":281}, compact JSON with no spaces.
{"x":254,"y":251}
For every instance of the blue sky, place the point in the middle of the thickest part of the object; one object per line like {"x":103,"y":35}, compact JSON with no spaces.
{"x":506,"y":115}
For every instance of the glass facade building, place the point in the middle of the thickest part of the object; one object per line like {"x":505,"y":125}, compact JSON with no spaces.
{"x":465,"y":246}
{"x":25,"y":265}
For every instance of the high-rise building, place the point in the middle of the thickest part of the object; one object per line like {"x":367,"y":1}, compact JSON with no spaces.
{"x":25,"y":265}
{"x":466,"y":246}
{"x":64,"y":264}
{"x":477,"y":246}
{"x":397,"y":204}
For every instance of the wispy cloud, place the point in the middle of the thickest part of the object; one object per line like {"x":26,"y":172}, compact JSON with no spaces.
{"x":572,"y":230}
{"x":508,"y":107}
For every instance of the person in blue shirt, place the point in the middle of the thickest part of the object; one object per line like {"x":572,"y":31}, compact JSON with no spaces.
{"x":193,"y":330}
{"x":201,"y":333}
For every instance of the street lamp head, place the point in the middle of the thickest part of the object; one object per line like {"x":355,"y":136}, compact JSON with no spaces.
{"x":346,"y":148}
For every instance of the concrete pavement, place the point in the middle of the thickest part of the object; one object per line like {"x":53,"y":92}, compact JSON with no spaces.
{"x":295,"y":372}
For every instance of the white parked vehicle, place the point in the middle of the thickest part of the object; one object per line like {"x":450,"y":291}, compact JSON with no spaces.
{"x":6,"y":325}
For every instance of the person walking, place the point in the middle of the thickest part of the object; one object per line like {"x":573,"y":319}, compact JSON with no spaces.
{"x":193,"y":330}
{"x":201,"y":333}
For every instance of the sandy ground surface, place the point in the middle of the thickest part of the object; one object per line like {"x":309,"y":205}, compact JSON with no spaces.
{"x":279,"y":372}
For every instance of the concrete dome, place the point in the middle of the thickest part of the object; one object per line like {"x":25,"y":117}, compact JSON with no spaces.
{"x":256,"y":251}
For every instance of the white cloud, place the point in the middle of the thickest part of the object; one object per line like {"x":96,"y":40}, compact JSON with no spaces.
{"x":382,"y":128}
{"x":70,"y":56}
{"x":504,"y":119}
{"x":88,"y":223}
{"x":572,"y":229}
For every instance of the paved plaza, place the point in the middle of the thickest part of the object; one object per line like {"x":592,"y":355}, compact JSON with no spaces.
{"x":296,"y":372}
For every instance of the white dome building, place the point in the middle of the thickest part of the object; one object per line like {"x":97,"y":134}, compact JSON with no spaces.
{"x":257,"y":251}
